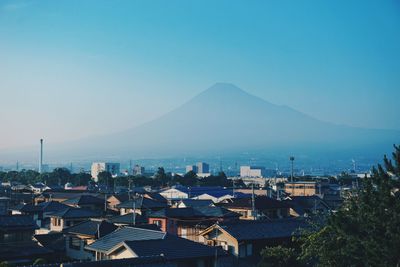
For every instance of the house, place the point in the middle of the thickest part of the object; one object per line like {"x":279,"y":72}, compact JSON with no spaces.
{"x":16,"y":242}
{"x":52,"y":241}
{"x":61,"y":195}
{"x":186,"y":203}
{"x":38,"y":188}
{"x":264,"y":208}
{"x":130,"y":242}
{"x":40,"y":212}
{"x":246,"y":238}
{"x":69,"y":217}
{"x":116,"y":199}
{"x":174,"y":249}
{"x":182,"y":192}
{"x":306,"y":205}
{"x":140,"y":205}
{"x":102,"y":246}
{"x":129,"y":219}
{"x":86,"y":202}
{"x":188,"y":222}
{"x":85,"y":233}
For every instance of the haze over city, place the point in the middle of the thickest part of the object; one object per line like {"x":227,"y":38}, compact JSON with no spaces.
{"x":71,"y":70}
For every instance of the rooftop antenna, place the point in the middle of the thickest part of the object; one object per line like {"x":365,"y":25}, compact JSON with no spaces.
{"x":130,"y":166}
{"x":41,"y":156}
{"x":291,"y":174}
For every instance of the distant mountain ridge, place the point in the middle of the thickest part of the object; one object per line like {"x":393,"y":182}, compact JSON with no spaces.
{"x":224,"y":118}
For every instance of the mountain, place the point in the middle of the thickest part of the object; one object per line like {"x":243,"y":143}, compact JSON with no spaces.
{"x":225,"y":118}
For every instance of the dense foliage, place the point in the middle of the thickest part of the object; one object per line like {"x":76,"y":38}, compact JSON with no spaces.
{"x":364,"y":232}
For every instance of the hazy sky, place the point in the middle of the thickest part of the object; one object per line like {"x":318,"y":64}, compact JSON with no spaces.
{"x":70,"y":69}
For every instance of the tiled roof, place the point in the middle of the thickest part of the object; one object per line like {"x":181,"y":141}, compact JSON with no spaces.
{"x":50,"y":206}
{"x":84,"y":200}
{"x":53,"y":241}
{"x":93,"y":227}
{"x":216,"y":191}
{"x":172,"y":248}
{"x":17,"y":222}
{"x":196,"y":202}
{"x":194,"y":212}
{"x":71,"y":212}
{"x":253,"y":230}
{"x":124,"y":234}
{"x":260,"y":202}
{"x":128,"y":219}
{"x":142,"y":203}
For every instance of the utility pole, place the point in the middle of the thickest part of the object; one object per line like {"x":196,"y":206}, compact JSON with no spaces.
{"x":253,"y":208}
{"x":291,"y":175}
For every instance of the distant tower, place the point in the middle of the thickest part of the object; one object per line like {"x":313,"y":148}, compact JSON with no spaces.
{"x":41,"y":156}
{"x":291,"y":175}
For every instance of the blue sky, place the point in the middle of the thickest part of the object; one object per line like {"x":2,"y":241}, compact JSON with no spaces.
{"x":70,"y":69}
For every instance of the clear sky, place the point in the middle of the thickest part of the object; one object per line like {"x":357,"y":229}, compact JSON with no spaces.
{"x":70,"y":69}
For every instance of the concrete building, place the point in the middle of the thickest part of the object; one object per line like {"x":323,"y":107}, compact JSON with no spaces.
{"x":98,"y":167}
{"x":203,"y":167}
{"x":192,"y":168}
{"x":138,"y":170}
{"x":252,"y":171}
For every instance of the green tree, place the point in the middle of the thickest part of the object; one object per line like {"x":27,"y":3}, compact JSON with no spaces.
{"x":365,"y":231}
{"x":189,"y":179}
{"x":161,"y":178}
{"x":105,"y":178}
{"x":81,"y":178}
{"x":279,"y":257}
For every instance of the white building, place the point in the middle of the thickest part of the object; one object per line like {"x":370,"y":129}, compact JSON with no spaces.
{"x":203,"y":167}
{"x":98,"y":167}
{"x":252,"y":171}
{"x":192,"y":168}
{"x":138,"y":170}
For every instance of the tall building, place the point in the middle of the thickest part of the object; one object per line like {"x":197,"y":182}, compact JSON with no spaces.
{"x":203,"y":167}
{"x":252,"y":171}
{"x":98,"y":167}
{"x":192,"y":168}
{"x":138,"y":170}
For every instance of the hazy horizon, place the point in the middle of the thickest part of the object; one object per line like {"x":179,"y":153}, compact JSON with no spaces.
{"x":77,"y":69}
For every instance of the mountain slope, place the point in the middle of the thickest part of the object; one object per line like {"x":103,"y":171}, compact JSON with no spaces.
{"x":225,"y":118}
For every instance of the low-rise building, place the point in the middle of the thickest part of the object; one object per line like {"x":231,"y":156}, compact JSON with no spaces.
{"x":69,"y":217}
{"x":98,"y":167}
{"x":247,"y":238}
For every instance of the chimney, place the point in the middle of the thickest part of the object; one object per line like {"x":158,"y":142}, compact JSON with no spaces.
{"x":41,"y":156}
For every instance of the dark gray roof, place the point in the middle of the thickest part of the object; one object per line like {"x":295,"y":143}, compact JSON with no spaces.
{"x":93,"y":227}
{"x":142,"y":203}
{"x":306,"y":204}
{"x":157,"y":261}
{"x":17,"y":222}
{"x":52,"y":240}
{"x":253,"y":230}
{"x":84,"y":200}
{"x":50,"y":206}
{"x":260,"y":202}
{"x":197,"y":202}
{"x":172,"y":248}
{"x":194,"y":212}
{"x":124,"y":234}
{"x":70,"y":213}
{"x":128,"y":219}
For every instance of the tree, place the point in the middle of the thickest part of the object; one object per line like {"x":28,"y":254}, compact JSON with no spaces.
{"x":279,"y":257}
{"x":81,"y":178}
{"x":161,"y":177}
{"x":189,"y":179}
{"x":105,"y":178}
{"x":365,"y":231}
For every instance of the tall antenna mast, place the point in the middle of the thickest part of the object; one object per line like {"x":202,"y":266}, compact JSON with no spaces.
{"x":253,"y":208}
{"x":41,"y":156}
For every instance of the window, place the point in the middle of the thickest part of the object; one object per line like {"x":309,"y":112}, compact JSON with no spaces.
{"x":158,"y":223}
{"x":249,"y":249}
{"x":74,"y":243}
{"x":56,"y":222}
